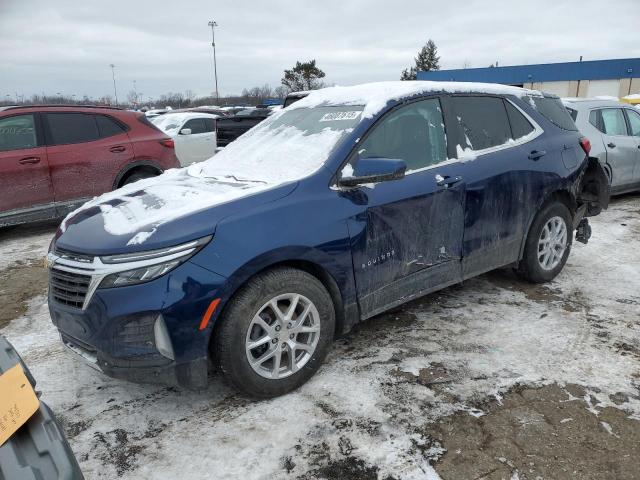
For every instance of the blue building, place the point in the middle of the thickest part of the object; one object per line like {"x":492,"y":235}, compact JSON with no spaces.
{"x":617,"y":78}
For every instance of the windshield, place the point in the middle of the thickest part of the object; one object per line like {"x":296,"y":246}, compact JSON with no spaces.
{"x":166,"y":122}
{"x":289,"y":145}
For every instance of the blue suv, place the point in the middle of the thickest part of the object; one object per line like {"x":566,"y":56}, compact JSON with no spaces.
{"x":350,"y":202}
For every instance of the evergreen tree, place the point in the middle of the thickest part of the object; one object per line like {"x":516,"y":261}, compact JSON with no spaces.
{"x":304,"y":76}
{"x":426,"y":61}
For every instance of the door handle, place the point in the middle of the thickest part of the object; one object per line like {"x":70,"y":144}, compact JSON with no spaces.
{"x":611,"y":145}
{"x":447,"y":181}
{"x":29,"y":160}
{"x":118,"y":149}
{"x":537,"y":154}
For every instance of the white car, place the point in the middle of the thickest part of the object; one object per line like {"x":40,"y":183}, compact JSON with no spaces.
{"x":193,"y":133}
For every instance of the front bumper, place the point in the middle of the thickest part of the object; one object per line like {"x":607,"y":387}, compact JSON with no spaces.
{"x":117,"y":332}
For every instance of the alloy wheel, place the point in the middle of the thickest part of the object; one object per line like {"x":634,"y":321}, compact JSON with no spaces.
{"x":552,"y":243}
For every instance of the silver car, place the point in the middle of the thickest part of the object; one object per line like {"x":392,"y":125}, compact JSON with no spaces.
{"x":613,"y":128}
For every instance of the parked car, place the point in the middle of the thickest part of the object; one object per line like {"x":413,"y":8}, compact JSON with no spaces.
{"x":39,"y":448}
{"x":54,"y":158}
{"x":342,"y":206}
{"x":220,"y":112}
{"x":193,"y":133}
{"x":230,"y":128}
{"x":613,"y":128}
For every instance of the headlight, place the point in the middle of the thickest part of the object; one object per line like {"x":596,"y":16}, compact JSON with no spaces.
{"x":146,"y":266}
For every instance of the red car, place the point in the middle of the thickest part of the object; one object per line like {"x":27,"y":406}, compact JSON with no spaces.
{"x":54,"y":158}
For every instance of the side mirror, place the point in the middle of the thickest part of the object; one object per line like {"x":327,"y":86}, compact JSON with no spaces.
{"x":185,"y":131}
{"x":372,"y":170}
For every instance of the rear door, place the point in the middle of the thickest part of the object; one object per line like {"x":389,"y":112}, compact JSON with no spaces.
{"x":86,"y":151}
{"x":621,"y":148}
{"x":408,"y":240}
{"x":634,"y":129}
{"x":497,"y":140}
{"x":24,"y":169}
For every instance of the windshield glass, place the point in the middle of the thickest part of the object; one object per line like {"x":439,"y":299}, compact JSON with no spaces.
{"x":166,"y":122}
{"x":289,"y":145}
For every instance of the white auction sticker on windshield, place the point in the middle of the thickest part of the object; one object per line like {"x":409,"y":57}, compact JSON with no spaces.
{"x":333,"y":116}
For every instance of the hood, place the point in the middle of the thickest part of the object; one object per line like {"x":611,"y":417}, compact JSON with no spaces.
{"x":174,"y":208}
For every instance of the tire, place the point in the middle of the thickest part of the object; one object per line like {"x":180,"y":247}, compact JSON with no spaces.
{"x":134,"y":177}
{"x":240,"y":327}
{"x":536,"y":266}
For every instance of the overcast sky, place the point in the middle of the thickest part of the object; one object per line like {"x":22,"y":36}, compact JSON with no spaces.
{"x":67,"y":45}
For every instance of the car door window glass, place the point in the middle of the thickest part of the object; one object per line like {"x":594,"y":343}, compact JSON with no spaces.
{"x":593,"y":119}
{"x":210,"y":125}
{"x":66,"y":128}
{"x":108,"y":127}
{"x":483,"y":120}
{"x":634,"y":122}
{"x":613,"y":121}
{"x":17,"y":132}
{"x":196,"y":125}
{"x":414,"y":133}
{"x":520,"y":126}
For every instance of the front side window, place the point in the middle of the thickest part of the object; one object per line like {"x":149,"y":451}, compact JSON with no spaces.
{"x":483,"y":120}
{"x":634,"y":122}
{"x":613,"y":121}
{"x":414,"y":133}
{"x":17,"y":132}
{"x":196,"y":125}
{"x":65,"y":128}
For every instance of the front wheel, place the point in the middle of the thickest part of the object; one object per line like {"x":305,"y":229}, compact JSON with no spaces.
{"x":548,"y":244}
{"x":275,"y":333}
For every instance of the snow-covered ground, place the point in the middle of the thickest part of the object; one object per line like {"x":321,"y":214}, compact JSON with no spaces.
{"x":381,"y":386}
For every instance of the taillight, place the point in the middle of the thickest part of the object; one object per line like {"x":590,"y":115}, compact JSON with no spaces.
{"x":168,"y":142}
{"x":585,"y":144}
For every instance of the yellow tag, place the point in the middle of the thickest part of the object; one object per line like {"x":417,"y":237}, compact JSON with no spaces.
{"x":18,"y":401}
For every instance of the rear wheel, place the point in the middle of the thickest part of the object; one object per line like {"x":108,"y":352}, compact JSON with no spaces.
{"x":275,"y":332}
{"x":548,"y":244}
{"x":138,"y":175}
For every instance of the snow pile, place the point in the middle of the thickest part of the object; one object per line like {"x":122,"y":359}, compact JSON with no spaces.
{"x":375,"y":96}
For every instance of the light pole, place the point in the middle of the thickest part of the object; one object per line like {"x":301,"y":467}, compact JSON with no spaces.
{"x":135,"y":93}
{"x":213,"y":24}
{"x":113,"y":75}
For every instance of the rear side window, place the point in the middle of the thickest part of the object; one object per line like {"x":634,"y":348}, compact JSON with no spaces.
{"x":520,"y":126}
{"x":210,"y":124}
{"x":17,"y":132}
{"x":65,"y":128}
{"x":484,"y":121}
{"x":634,"y":122}
{"x":553,"y":110}
{"x":197,"y":125}
{"x":108,"y":127}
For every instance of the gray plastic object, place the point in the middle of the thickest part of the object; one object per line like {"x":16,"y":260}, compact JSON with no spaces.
{"x":39,"y":449}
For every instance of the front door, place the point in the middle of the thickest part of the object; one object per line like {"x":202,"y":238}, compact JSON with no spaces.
{"x":24,"y":170}
{"x":407,"y":240}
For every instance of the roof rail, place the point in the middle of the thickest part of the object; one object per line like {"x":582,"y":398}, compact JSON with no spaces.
{"x":11,"y":107}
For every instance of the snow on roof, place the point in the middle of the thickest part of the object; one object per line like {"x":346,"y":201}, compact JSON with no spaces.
{"x":375,"y":96}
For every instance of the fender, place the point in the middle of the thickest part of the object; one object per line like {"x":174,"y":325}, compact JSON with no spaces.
{"x":341,"y":287}
{"x":150,"y":163}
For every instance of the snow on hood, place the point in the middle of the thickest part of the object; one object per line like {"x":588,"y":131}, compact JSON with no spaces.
{"x":264,"y":158}
{"x":375,"y":96}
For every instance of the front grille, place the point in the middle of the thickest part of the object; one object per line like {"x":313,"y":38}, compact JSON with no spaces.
{"x":68,"y":288}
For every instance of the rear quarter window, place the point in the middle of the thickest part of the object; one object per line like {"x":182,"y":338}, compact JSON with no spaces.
{"x":108,"y":127}
{"x":553,"y":110}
